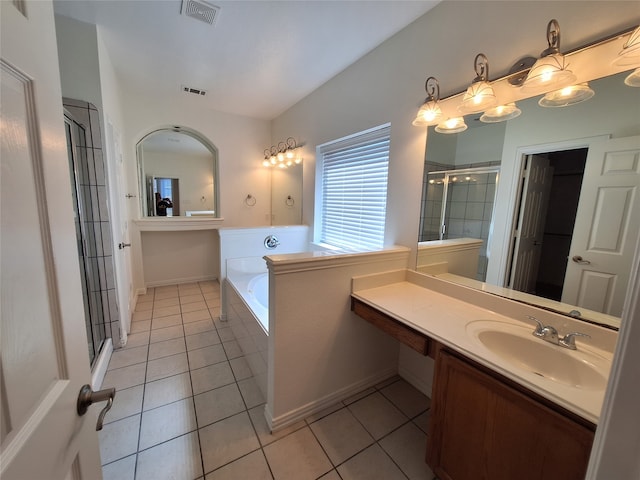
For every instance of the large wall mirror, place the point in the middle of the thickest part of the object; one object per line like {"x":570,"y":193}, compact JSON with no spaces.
{"x":178,"y":174}
{"x":554,"y":195}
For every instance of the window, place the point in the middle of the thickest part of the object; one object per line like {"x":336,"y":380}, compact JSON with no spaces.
{"x":351,"y":190}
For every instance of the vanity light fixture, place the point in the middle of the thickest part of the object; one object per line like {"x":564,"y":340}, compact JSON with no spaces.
{"x":550,"y":72}
{"x":429,"y":113}
{"x":630,"y":55}
{"x":633,"y":79}
{"x":285,"y":155}
{"x":501,"y":113}
{"x":452,"y":125}
{"x":567,"y":96}
{"x":480,"y":95}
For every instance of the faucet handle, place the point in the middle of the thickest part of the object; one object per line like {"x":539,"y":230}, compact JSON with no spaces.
{"x":539,"y":327}
{"x":569,"y":340}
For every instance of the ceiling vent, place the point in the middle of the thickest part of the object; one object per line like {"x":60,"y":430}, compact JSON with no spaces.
{"x":200,"y":10}
{"x":195,"y":91}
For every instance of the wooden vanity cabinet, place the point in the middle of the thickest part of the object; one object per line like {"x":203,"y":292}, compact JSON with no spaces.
{"x":483,"y":428}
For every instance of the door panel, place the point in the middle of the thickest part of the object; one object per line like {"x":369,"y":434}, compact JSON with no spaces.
{"x":44,"y":358}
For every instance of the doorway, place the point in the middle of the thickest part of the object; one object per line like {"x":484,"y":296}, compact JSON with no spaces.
{"x":546,"y":213}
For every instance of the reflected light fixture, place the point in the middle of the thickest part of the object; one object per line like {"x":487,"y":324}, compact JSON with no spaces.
{"x":501,"y":113}
{"x":550,"y":72}
{"x":480,"y":95}
{"x":429,"y":113}
{"x":452,"y":125}
{"x":285,"y":155}
{"x":567,"y":96}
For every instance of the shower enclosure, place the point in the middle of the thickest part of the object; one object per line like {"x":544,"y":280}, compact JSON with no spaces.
{"x":93,"y":227}
{"x":459,"y":204}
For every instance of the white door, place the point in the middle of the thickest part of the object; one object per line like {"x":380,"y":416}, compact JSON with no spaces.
{"x":606,"y":228}
{"x":43,"y":349}
{"x":538,"y":176}
{"x":119,"y":226}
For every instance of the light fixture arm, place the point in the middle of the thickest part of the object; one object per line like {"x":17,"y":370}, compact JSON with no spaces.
{"x":481,"y":66}
{"x":291,"y":143}
{"x":432,"y":87}
{"x":553,"y":38}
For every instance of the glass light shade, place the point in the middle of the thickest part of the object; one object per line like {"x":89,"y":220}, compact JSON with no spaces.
{"x":282,"y":165}
{"x":478,"y":97}
{"x":452,"y":125}
{"x":501,"y":113}
{"x":549,"y":73}
{"x":633,"y":79}
{"x":567,"y":96}
{"x":630,"y":53}
{"x":298,"y":160}
{"x":280,"y":156}
{"x":429,"y":114}
{"x":273,"y":160}
{"x":266,"y":163}
{"x":290,"y":154}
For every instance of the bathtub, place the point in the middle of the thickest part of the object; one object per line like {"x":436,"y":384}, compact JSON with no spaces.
{"x":248,"y":312}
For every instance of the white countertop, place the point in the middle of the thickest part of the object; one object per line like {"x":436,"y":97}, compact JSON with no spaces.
{"x":445,"y":319}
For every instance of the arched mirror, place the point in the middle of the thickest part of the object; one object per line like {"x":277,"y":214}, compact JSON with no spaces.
{"x":178,"y":174}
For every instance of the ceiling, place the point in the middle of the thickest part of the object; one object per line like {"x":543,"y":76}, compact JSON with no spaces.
{"x":258,"y":59}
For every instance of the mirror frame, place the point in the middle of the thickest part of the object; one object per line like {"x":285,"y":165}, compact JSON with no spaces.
{"x":142,"y":207}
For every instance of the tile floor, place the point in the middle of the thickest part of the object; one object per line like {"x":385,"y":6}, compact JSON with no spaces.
{"x":187,"y":408}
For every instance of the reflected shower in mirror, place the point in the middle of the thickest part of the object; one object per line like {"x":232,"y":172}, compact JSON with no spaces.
{"x":566,"y":216}
{"x":177,"y":169}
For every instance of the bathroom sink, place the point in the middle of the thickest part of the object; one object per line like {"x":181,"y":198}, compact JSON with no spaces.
{"x":517,"y":346}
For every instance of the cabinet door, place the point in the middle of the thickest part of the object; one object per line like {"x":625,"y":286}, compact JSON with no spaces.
{"x":484,"y":429}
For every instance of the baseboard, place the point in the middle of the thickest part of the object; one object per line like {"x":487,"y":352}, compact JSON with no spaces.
{"x":100,"y":367}
{"x":425,"y":385}
{"x":176,"y":281}
{"x":316,"y":406}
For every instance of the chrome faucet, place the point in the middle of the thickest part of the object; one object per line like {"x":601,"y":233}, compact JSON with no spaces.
{"x":550,"y":334}
{"x":271,"y":242}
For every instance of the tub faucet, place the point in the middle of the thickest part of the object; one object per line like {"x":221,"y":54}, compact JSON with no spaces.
{"x":271,"y":242}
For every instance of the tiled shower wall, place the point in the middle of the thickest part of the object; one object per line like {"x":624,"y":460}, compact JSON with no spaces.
{"x":92,"y":184}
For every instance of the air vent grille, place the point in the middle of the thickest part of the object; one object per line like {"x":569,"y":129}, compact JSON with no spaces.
{"x":195,"y":91}
{"x":200,"y":10}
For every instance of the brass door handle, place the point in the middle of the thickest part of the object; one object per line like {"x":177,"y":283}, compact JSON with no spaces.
{"x":87,"y":397}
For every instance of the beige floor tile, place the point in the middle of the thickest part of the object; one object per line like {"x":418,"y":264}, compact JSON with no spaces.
{"x":358,"y":396}
{"x":164,"y":322}
{"x":251,"y":393}
{"x":332,"y":475}
{"x":136,"y":340}
{"x":177,"y":459}
{"x":201,"y":340}
{"x":128,"y":356}
{"x":407,"y":446}
{"x":193,"y":307}
{"x":161,"y":295}
{"x":127,"y":402}
{"x":200,"y":326}
{"x":125,"y":377}
{"x":262,"y":429}
{"x":167,"y":390}
{"x":167,"y":302}
{"x":341,"y":435}
{"x":141,"y":316}
{"x":203,"y":357}
{"x":217,"y":404}
{"x":227,"y":440}
{"x":232,"y":349}
{"x":407,"y":398}
{"x":240,"y":368}
{"x":378,"y":415}
{"x":372,"y":464}
{"x":167,"y":366}
{"x":167,"y":422}
{"x":165,"y":311}
{"x":144,"y":306}
{"x":196,"y":316}
{"x":191,"y":298}
{"x":252,"y":466}
{"x":140,"y":326}
{"x":324,"y":412}
{"x":298,"y":456}
{"x":123,"y":469}
{"x":210,"y":377}
{"x":168,"y":333}
{"x":422,"y":421}
{"x":119,"y":439}
{"x":226,"y":334}
{"x":166,"y":348}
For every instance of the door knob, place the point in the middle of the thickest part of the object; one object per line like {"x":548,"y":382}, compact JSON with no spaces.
{"x":123,"y":245}
{"x":580,"y":260}
{"x":87,"y":397}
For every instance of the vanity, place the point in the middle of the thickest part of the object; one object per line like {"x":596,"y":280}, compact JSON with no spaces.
{"x":506,"y":404}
